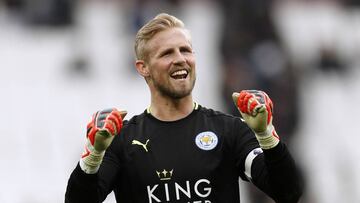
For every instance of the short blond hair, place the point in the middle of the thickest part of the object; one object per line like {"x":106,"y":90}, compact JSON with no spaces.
{"x":159,"y":23}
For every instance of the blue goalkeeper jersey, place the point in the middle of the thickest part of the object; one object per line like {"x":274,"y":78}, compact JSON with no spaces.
{"x":197,"y":159}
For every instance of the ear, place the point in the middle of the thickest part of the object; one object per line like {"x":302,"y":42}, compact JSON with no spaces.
{"x":142,"y":68}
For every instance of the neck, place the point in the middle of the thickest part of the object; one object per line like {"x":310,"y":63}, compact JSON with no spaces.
{"x":171,"y":109}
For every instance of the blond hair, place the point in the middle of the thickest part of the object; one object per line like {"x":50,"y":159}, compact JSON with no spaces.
{"x":160,"y":23}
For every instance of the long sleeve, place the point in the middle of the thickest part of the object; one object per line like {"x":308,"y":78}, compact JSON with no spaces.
{"x":82,"y":187}
{"x":91,"y":188}
{"x":276,"y":173}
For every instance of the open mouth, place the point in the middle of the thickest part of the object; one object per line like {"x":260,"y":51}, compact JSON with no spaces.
{"x":180,"y":74}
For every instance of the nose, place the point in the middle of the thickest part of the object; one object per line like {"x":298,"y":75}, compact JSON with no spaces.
{"x":179,"y":58}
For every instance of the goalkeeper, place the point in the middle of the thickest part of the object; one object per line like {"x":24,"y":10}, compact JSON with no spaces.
{"x":178,"y":150}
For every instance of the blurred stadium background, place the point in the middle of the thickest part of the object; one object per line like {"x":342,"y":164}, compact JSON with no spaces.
{"x":61,"y":60}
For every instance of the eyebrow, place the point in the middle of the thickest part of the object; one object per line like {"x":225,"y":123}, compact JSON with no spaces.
{"x":165,"y":51}
{"x":188,"y":47}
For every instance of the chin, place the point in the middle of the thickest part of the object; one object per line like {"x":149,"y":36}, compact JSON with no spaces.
{"x":176,"y":91}
{"x":178,"y":94}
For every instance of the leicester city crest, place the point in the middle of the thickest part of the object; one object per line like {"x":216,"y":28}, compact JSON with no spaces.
{"x":206,"y":140}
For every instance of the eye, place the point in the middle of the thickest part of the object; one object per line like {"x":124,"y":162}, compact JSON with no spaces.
{"x":186,"y":50}
{"x":165,"y":53}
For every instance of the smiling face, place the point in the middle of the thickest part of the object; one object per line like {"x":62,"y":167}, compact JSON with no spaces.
{"x":169,"y":67}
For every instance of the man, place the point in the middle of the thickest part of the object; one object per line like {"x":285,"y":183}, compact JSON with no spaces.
{"x":177,"y":150}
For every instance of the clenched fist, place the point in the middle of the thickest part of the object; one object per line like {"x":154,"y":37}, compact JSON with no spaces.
{"x":256,"y":108}
{"x":101,"y":129}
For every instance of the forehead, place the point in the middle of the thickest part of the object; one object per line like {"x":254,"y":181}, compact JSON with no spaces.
{"x":172,"y":37}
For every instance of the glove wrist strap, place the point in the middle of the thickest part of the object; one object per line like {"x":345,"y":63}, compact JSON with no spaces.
{"x":267,"y":139}
{"x":90,"y":162}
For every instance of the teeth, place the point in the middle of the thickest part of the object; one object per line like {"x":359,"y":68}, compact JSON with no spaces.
{"x":180,"y":72}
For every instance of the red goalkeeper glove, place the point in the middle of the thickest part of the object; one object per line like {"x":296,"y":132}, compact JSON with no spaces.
{"x":101,"y":129}
{"x":256,"y":108}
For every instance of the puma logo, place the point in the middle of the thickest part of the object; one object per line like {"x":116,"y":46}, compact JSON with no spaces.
{"x":135,"y":142}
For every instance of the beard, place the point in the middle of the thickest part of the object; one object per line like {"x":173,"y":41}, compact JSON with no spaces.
{"x":175,"y":92}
